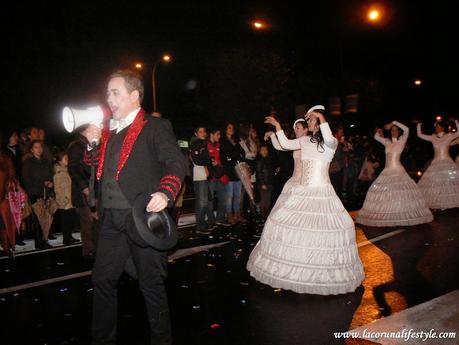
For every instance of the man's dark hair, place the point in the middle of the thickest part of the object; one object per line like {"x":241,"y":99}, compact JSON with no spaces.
{"x":197,"y":127}
{"x":213,"y":130}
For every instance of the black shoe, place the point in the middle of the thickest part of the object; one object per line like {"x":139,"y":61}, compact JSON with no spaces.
{"x":44,"y":245}
{"x":20,"y":243}
{"x":70,"y":241}
{"x":52,"y":237}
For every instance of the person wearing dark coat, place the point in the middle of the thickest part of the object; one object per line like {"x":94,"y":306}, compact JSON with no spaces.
{"x":231,"y":153}
{"x":139,"y":161}
{"x":265,"y":180}
{"x":80,"y":173}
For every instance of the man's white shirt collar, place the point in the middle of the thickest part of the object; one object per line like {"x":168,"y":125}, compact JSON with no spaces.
{"x":121,"y":124}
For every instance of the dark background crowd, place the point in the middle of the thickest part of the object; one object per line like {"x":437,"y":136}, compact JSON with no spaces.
{"x":59,"y":191}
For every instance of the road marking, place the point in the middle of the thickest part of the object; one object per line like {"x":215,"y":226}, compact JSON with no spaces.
{"x":379,"y":238}
{"x":181,"y":253}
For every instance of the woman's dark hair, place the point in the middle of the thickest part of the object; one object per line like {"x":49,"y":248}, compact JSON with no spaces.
{"x":33,"y":142}
{"x":59,"y":155}
{"x":5,"y":137}
{"x":235,"y":136}
{"x":443,"y":124}
{"x":317,"y":137}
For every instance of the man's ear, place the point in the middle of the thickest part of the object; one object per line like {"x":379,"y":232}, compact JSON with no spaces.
{"x":135,"y":96}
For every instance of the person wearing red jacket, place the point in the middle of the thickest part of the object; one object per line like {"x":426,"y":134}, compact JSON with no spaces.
{"x":219,"y":181}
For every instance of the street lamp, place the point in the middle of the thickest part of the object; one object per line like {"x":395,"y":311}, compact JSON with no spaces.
{"x":259,"y":25}
{"x":166,"y":58}
{"x":418,"y":82}
{"x":375,"y":14}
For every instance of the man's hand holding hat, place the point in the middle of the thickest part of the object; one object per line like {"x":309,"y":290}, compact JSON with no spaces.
{"x":158,"y":202}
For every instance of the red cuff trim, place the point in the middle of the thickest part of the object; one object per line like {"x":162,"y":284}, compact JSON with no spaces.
{"x":169,"y":189}
{"x":173,"y":180}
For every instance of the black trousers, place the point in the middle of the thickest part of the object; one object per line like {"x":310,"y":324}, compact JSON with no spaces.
{"x":115,"y":247}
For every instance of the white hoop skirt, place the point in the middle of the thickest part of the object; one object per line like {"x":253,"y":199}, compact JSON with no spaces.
{"x":308,"y":243}
{"x":394,"y":199}
{"x":440,"y":184}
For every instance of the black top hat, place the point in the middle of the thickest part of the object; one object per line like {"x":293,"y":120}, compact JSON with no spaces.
{"x":156,"y":228}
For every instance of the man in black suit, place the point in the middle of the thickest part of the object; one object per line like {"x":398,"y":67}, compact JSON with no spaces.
{"x":138,"y":158}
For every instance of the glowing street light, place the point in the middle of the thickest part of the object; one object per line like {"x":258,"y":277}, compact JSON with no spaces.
{"x":259,"y":25}
{"x":166,"y":58}
{"x":419,"y":173}
{"x":438,"y":118}
{"x":374,"y":15}
{"x":418,"y":82}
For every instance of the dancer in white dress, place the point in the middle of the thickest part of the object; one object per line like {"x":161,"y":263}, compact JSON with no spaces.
{"x":300,"y":129}
{"x":308,"y":243}
{"x":394,"y":198}
{"x":440,"y":182}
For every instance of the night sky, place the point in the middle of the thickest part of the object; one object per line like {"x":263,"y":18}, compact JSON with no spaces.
{"x":59,"y":54}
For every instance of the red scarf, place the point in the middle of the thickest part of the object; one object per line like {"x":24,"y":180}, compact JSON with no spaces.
{"x":131,"y":136}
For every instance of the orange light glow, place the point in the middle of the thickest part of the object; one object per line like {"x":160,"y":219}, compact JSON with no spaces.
{"x":374,"y":15}
{"x":419,"y":173}
{"x":166,"y":58}
{"x":417,"y":82}
{"x":138,"y":65}
{"x":438,"y":118}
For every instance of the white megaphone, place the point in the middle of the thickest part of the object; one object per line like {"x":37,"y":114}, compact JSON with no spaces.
{"x":74,"y":118}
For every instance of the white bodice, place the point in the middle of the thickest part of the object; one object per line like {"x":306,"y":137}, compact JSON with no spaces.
{"x":297,"y":164}
{"x":441,"y":143}
{"x":394,"y":147}
{"x":441,"y":146}
{"x":314,"y":172}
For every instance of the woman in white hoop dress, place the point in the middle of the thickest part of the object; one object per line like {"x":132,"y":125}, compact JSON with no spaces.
{"x":440,"y":182}
{"x":394,"y":198}
{"x":300,"y":129}
{"x":308,"y":242}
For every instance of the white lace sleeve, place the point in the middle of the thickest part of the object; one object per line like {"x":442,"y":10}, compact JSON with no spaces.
{"x":329,"y":139}
{"x":380,"y":139}
{"x":287,"y":144}
{"x":276,"y":143}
